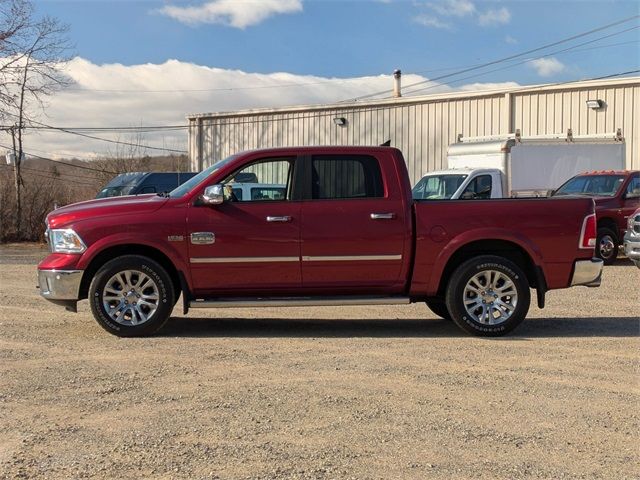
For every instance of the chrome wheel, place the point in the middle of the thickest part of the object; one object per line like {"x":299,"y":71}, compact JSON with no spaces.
{"x":130,"y":297}
{"x":606,"y":247}
{"x":490,"y":297}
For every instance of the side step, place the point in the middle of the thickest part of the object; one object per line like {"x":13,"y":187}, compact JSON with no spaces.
{"x":249,"y":302}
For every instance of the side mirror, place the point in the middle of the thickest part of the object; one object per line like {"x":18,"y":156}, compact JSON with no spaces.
{"x":213,"y":195}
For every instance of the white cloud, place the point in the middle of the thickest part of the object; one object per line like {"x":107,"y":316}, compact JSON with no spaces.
{"x":431,"y":21}
{"x":456,"y":8}
{"x":109,"y":95}
{"x":490,"y":18}
{"x":238,"y":14}
{"x":460,"y":9}
{"x":546,"y":67}
{"x":489,"y":86}
{"x":510,"y":40}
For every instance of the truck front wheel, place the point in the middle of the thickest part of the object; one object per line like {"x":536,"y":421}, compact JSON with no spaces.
{"x":488,"y":296}
{"x":131,"y":296}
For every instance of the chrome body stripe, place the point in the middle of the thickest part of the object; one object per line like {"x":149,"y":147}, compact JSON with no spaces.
{"x":306,"y":258}
{"x":350,"y":258}
{"x":243,"y":259}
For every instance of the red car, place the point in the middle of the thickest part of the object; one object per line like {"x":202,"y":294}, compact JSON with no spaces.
{"x":617,"y":196}
{"x":346,"y":232}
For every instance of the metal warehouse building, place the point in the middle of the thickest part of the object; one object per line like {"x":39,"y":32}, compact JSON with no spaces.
{"x":423,"y":127}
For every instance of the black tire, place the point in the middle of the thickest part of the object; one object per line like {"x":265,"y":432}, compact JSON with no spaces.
{"x":455,"y":296}
{"x":160,"y":286}
{"x":607,"y":245}
{"x":439,"y":307}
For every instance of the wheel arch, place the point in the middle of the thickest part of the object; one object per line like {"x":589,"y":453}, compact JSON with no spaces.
{"x":610,"y":223}
{"x":502,"y":248}
{"x":115,"y":251}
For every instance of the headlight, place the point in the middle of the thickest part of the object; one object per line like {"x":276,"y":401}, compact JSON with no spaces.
{"x":65,"y":241}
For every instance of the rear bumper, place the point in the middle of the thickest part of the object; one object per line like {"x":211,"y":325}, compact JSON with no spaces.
{"x":587,"y":273}
{"x":60,"y":284}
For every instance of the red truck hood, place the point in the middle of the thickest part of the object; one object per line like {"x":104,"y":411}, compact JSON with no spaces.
{"x":103,"y":207}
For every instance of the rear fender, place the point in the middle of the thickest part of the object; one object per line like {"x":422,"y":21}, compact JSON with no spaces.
{"x":484,"y":234}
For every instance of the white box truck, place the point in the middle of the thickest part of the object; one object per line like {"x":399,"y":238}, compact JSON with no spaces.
{"x":513,"y":166}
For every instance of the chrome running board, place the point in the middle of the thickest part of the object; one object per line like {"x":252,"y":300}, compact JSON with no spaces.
{"x":296,"y":302}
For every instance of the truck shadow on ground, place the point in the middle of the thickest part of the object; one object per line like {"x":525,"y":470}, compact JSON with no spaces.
{"x":368,"y":328}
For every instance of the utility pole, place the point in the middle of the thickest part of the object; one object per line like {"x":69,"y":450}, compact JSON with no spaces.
{"x":18,"y":182}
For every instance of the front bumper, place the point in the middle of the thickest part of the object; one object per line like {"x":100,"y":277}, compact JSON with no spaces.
{"x":587,"y":273}
{"x":632,"y":248}
{"x":60,"y":284}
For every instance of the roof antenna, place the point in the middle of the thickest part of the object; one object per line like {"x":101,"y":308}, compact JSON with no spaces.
{"x":386,"y":144}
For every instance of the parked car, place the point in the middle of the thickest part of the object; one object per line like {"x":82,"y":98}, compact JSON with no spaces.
{"x":514,"y":166}
{"x":136,"y":183}
{"x":616,"y":195}
{"x":346,"y":233}
{"x":632,"y":238}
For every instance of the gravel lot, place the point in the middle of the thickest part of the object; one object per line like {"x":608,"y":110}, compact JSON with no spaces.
{"x":378,"y":392}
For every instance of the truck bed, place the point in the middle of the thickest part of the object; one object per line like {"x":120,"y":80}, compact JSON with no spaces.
{"x":545,"y":229}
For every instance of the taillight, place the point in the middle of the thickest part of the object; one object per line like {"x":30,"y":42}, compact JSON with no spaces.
{"x":589,"y":232}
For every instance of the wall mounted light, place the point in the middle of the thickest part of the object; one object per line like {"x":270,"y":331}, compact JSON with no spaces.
{"x":340,"y":121}
{"x":595,"y":104}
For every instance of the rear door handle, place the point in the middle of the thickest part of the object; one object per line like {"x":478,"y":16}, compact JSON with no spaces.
{"x":382,"y":216}
{"x":279,"y":219}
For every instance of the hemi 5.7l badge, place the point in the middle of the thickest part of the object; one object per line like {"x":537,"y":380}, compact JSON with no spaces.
{"x":175,"y":238}
{"x":203,"y":238}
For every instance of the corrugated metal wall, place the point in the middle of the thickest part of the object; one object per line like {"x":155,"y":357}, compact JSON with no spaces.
{"x":423,"y":127}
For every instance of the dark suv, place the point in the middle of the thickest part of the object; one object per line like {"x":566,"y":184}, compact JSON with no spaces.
{"x":135,"y":183}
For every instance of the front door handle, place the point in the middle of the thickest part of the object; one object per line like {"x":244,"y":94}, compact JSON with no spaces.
{"x":285,"y":218}
{"x":382,"y":216}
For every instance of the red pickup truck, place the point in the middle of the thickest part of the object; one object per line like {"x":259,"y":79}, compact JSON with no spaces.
{"x":346,"y":231}
{"x":616,"y":195}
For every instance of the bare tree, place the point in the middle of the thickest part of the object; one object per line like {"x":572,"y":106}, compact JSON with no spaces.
{"x":33,"y":51}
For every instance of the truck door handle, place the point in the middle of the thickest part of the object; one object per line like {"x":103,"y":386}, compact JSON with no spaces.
{"x":278,"y":219}
{"x":382,"y":216}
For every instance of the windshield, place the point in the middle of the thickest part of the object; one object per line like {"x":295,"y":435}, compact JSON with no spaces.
{"x":107,"y":192}
{"x":189,"y":184}
{"x":591,"y":185}
{"x":437,"y":187}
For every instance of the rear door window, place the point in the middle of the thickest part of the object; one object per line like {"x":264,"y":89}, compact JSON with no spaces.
{"x":345,"y":177}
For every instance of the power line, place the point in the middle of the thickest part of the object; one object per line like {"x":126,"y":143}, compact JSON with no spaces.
{"x":93,"y":137}
{"x":505,"y":59}
{"x":51,"y":177}
{"x":113,"y":129}
{"x":557,"y":52}
{"x":61,"y":162}
{"x":223,"y":89}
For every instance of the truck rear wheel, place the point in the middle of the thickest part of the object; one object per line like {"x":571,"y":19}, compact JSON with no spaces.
{"x":607,"y":245}
{"x":439,"y":307}
{"x":131,"y":296}
{"x":488,"y":296}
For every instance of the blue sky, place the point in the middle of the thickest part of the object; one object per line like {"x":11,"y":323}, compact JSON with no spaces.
{"x":154,"y":62}
{"x":352,"y":38}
